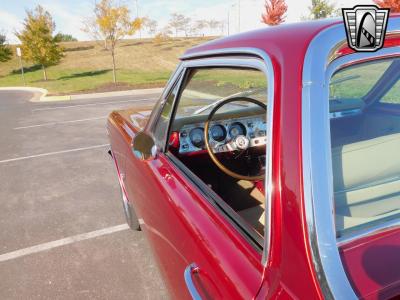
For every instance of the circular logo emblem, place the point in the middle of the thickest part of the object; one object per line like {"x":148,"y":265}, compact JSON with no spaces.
{"x":242,"y":142}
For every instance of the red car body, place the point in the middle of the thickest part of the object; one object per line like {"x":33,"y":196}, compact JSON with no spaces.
{"x":184,"y":228}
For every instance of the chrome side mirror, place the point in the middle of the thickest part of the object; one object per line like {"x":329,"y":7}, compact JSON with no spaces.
{"x":144,"y":147}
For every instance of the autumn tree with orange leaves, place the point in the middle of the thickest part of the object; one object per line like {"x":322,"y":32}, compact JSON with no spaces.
{"x":394,"y":5}
{"x":275,"y":11}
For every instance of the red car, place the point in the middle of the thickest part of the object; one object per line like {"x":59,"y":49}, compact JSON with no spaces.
{"x":270,"y":167}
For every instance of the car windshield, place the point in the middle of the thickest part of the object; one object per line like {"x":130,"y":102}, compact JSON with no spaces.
{"x":364,"y":77}
{"x":246,"y":93}
{"x":206,"y":88}
{"x":344,"y":98}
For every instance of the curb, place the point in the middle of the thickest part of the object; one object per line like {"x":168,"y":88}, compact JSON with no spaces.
{"x":45,"y":98}
{"x":117,"y":93}
{"x":41,"y":94}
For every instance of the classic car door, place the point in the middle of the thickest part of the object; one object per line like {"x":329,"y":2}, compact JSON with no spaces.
{"x":202,"y":250}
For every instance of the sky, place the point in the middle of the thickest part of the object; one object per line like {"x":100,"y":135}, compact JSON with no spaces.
{"x":69,"y":14}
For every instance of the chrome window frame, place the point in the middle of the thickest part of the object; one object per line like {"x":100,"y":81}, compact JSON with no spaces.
{"x":176,"y":83}
{"x":250,"y":58}
{"x":317,"y":165}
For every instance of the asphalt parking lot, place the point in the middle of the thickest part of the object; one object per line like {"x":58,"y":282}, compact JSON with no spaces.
{"x":63,"y":234}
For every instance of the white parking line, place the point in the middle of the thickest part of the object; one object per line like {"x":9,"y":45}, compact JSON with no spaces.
{"x":93,"y":104}
{"x":53,"y":153}
{"x":59,"y":123}
{"x":62,"y":242}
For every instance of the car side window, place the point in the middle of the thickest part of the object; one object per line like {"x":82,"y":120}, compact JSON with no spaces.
{"x":365,"y":149}
{"x":393,"y":95}
{"x":161,"y":129}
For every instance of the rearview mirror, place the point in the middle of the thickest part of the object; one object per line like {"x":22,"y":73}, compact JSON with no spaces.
{"x":143,"y":146}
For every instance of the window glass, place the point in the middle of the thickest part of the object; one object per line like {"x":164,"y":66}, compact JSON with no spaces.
{"x":393,"y":96}
{"x":161,"y":129}
{"x":365,"y":150}
{"x":357,"y":81}
{"x":206,"y":86}
{"x":349,"y":86}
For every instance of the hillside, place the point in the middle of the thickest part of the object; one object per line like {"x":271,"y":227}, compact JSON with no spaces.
{"x":86,"y":66}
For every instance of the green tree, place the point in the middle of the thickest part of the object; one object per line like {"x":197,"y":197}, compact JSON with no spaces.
{"x":37,"y":42}
{"x":111,"y":22}
{"x":321,"y":9}
{"x":5,"y":50}
{"x":61,"y":37}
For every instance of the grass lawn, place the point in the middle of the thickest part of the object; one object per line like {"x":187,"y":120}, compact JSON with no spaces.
{"x":80,"y":80}
{"x":145,"y":63}
{"x":87,"y":67}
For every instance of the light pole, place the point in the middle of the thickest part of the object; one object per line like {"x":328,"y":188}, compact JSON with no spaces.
{"x":19,"y":54}
{"x":137,"y":16}
{"x":228,"y":21}
{"x":239,"y":15}
{"x":229,"y":16}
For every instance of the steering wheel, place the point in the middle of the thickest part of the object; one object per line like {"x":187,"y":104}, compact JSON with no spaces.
{"x":240,"y":142}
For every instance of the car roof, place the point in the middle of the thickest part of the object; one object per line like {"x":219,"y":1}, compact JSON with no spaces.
{"x":274,"y":40}
{"x":277,"y":41}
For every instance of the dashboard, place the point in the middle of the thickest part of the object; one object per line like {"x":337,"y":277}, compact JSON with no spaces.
{"x":339,"y":108}
{"x":191,"y":136}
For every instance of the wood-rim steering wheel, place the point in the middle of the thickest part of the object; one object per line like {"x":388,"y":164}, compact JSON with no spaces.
{"x":208,"y":147}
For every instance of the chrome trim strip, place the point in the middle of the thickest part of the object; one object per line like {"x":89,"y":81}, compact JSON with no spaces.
{"x":171,"y":82}
{"x":267,"y":67}
{"x":177,"y":83}
{"x":187,"y":274}
{"x":225,"y":51}
{"x":317,"y":165}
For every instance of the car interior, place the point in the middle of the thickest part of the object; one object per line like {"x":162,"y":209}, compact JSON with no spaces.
{"x":365,"y":140}
{"x":246,"y":197}
{"x":235,"y":111}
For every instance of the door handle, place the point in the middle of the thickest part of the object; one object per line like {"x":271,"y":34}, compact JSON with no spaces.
{"x":189,"y":271}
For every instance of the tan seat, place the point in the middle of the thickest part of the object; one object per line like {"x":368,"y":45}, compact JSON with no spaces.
{"x":366,"y":180}
{"x":255,"y":215}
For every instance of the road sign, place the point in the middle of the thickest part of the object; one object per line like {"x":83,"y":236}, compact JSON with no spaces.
{"x":19,"y":54}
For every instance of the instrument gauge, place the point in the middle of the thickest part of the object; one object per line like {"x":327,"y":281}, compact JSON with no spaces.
{"x":196,"y":136}
{"x":237,"y":129}
{"x":218,"y":133}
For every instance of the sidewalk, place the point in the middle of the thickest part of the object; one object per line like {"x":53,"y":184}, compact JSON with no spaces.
{"x":41,"y":94}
